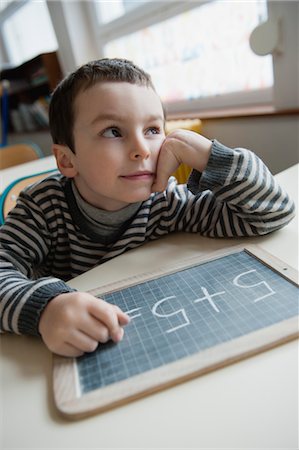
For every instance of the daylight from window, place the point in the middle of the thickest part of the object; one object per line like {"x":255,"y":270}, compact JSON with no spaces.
{"x":23,"y":30}
{"x":207,"y":46}
{"x":108,"y":10}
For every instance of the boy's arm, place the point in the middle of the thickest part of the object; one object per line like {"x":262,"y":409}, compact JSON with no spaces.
{"x":24,"y":245}
{"x":230,"y":192}
{"x":69,"y":322}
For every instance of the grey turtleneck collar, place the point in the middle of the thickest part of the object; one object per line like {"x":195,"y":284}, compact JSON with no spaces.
{"x":105,"y":223}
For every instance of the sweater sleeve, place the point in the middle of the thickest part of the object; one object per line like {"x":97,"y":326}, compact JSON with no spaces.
{"x":24,"y":246}
{"x":235,"y":196}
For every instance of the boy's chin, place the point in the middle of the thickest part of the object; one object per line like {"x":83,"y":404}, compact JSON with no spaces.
{"x":139,"y":196}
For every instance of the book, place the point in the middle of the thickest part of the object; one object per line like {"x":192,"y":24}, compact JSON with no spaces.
{"x":40,"y":111}
{"x":27,"y":117}
{"x":16,"y":121}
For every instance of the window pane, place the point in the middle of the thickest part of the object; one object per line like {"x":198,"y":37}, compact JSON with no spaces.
{"x":110,"y":10}
{"x":29,"y":32}
{"x":200,"y":53}
{"x":4,"y":3}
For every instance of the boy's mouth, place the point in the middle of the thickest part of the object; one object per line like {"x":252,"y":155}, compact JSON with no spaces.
{"x":138,"y":176}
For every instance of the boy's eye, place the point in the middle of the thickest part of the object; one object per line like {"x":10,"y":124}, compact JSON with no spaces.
{"x":111,"y":132}
{"x":153,"y":130}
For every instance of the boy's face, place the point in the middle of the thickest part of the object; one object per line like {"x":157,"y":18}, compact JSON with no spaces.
{"x":118,"y":132}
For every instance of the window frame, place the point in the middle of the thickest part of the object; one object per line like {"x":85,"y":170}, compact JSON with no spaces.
{"x":275,"y":98}
{"x":140,"y":17}
{"x":283,"y":96}
{"x":6,"y":13}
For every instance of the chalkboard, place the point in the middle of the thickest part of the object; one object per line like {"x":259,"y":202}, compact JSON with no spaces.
{"x":186,"y":319}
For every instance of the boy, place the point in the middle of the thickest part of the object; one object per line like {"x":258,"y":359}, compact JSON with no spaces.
{"x":113,"y":193}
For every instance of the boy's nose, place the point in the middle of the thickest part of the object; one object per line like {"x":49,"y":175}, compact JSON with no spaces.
{"x":140,"y":150}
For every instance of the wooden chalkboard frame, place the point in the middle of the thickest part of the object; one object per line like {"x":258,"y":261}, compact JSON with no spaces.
{"x":65,"y":382}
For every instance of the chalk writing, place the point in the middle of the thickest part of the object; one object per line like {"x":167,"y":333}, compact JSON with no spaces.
{"x":240,"y":281}
{"x":209,"y":298}
{"x":236,"y":282}
{"x":180,"y":311}
{"x":133,"y":313}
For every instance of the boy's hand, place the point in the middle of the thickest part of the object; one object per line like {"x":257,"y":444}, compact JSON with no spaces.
{"x":75,"y":322}
{"x":181,"y":146}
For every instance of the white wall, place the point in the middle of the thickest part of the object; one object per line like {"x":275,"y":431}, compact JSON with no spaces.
{"x":275,"y":139}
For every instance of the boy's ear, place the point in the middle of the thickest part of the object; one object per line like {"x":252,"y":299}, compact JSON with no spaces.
{"x":65,"y":160}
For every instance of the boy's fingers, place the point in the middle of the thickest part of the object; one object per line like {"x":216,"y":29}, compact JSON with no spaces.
{"x":117,"y":337}
{"x":162,"y":175}
{"x":123,"y":318}
{"x":167,"y":164}
{"x":111,"y":316}
{"x":82,"y":342}
{"x":95,"y":329}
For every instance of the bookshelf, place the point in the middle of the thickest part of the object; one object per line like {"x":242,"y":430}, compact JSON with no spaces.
{"x":30,"y":85}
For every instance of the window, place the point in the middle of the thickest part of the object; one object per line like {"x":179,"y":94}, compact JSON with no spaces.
{"x":5,"y":3}
{"x":198,"y":53}
{"x":107,"y":11}
{"x":27,"y":31}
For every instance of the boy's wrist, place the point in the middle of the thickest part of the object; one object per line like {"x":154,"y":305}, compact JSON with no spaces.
{"x":33,"y":308}
{"x":217,"y":170}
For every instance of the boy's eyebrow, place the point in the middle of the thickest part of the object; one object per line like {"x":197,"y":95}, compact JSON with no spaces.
{"x":120,"y":118}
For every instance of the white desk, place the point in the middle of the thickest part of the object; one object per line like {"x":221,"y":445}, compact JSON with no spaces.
{"x":251,"y":404}
{"x":30,"y":168}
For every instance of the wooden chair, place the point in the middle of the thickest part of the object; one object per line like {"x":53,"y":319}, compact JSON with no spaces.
{"x":9,"y":196}
{"x":12,"y":155}
{"x":183,"y":172}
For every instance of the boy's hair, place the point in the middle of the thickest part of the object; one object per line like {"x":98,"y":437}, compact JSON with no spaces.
{"x":61,"y":111}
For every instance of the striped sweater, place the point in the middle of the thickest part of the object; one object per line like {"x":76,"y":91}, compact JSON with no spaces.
{"x":46,"y":240}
